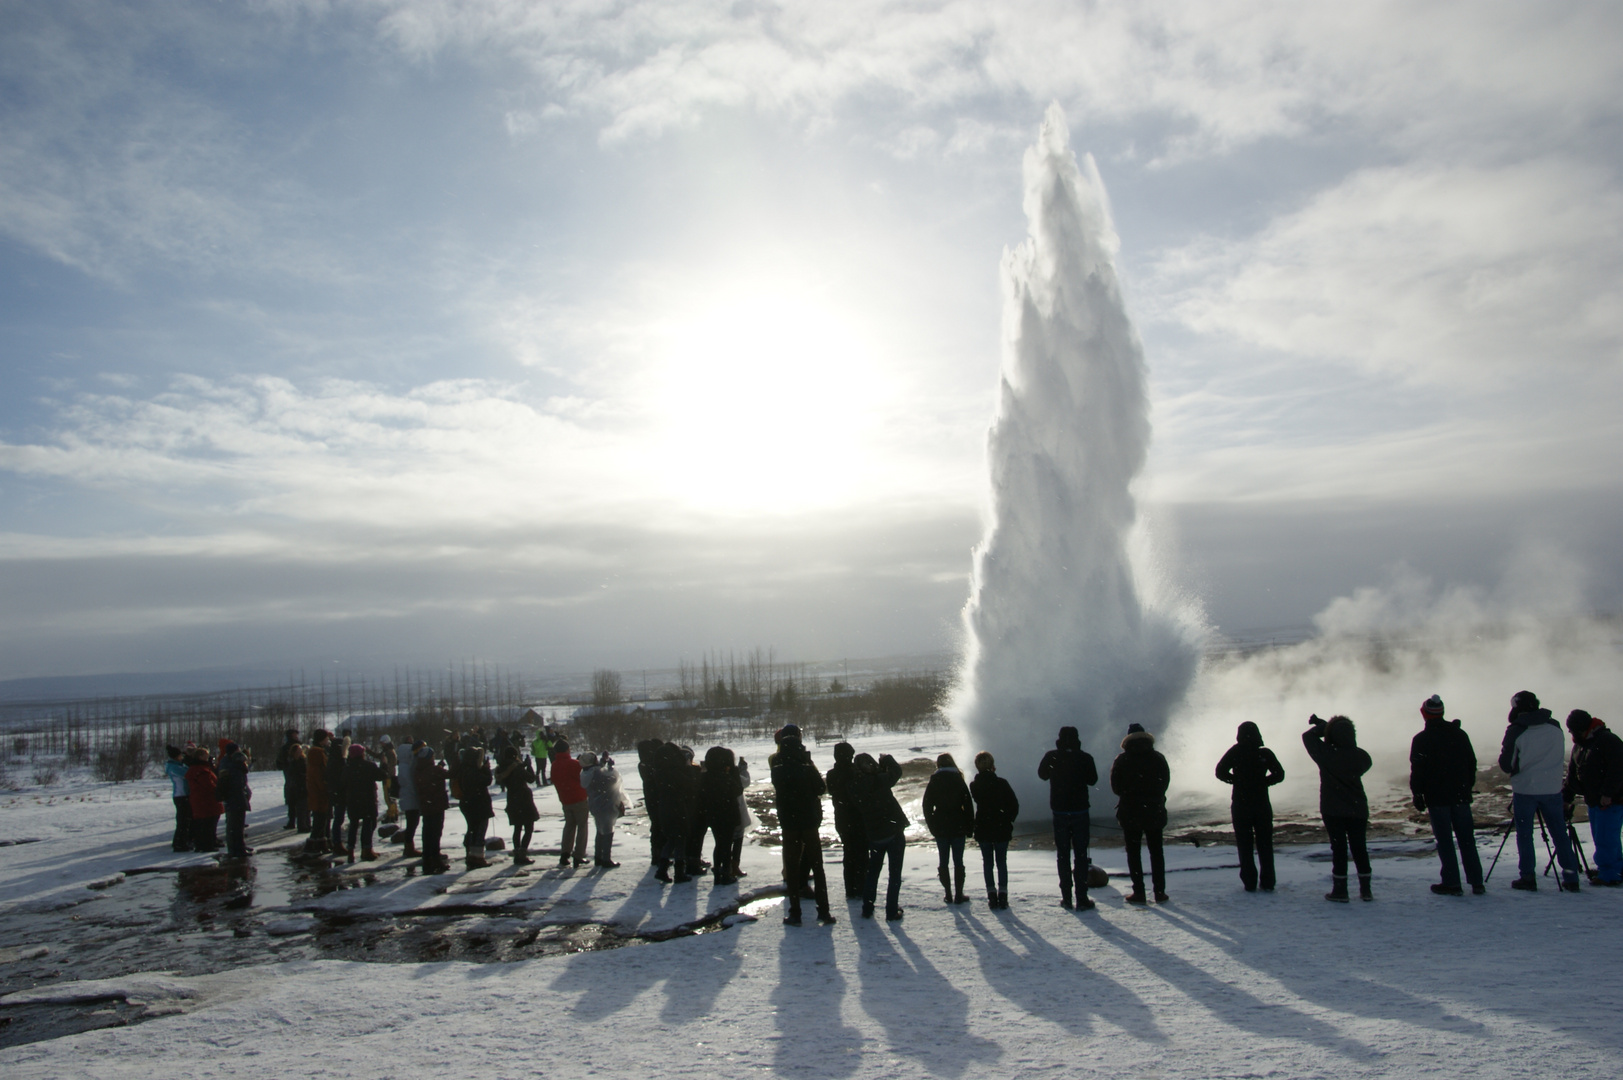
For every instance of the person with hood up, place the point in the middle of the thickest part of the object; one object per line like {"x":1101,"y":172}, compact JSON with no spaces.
{"x":719,"y":791}
{"x":237,"y":798}
{"x":996,"y":809}
{"x":546,"y":737}
{"x":885,"y":826}
{"x":202,"y":786}
{"x":315,"y":773}
{"x":1442,"y":775}
{"x":515,"y":774}
{"x":1070,"y":771}
{"x":1596,"y":773}
{"x":949,"y":814}
{"x":431,"y":776}
{"x":1333,"y":746}
{"x":1252,"y":769}
{"x":648,"y":773}
{"x":674,"y":795}
{"x":473,"y":780}
{"x":735,"y":864}
{"x":798,"y":788}
{"x":411,"y":807}
{"x":175,"y":770}
{"x":606,"y":800}
{"x":290,"y":763}
{"x":848,"y":821}
{"x":337,"y":753}
{"x":362,"y":775}
{"x":572,"y":796}
{"x":1139,"y":777}
{"x":1534,"y":755}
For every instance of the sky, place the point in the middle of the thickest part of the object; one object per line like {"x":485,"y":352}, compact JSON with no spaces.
{"x":589,"y":334}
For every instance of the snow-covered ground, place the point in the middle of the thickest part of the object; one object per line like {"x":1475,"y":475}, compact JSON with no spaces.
{"x":1215,"y":983}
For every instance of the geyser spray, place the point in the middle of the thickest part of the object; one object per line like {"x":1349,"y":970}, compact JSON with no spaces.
{"x":1059,"y":629}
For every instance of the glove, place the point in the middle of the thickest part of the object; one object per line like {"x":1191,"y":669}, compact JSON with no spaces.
{"x":1317,"y":721}
{"x":1420,"y":803}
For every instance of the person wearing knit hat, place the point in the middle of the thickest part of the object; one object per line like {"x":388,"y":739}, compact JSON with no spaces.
{"x":1139,"y":777}
{"x":1596,"y":772}
{"x":1442,"y":776}
{"x":1533,"y":755}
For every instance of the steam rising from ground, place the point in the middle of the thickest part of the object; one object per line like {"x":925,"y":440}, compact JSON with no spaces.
{"x":1380,"y":653}
{"x":1064,"y":624}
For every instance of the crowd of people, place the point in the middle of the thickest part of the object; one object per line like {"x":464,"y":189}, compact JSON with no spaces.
{"x":331,"y":778}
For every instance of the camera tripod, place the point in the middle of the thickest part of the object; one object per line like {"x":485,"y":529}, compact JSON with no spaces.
{"x":1549,"y":848}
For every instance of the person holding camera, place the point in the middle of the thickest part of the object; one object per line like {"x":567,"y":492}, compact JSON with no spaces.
{"x":515,"y":775}
{"x":1534,"y":755}
{"x":362,"y":775}
{"x":798,"y":787}
{"x":885,"y":826}
{"x":1333,"y":746}
{"x":1442,"y":774}
{"x":1252,"y":769}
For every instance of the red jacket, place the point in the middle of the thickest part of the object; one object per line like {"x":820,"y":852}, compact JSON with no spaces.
{"x":566,"y":779}
{"x":201,"y":781}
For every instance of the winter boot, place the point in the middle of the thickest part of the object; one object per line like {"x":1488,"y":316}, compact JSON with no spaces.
{"x":1447,"y":890}
{"x":1160,"y":896}
{"x":369,"y":856}
{"x":1525,"y":884}
{"x":893,"y":915}
{"x":1003,"y":901}
{"x":826,"y":918}
{"x":991,"y":899}
{"x":1137,"y":895}
{"x":867,"y":910}
{"x":663,"y":874}
{"x":1364,"y":890}
{"x":946,"y":882}
{"x":410,"y":850}
{"x":793,"y":918}
{"x":958,"y":887}
{"x":350,"y":856}
{"x":1338,"y":888}
{"x":1083,"y":903}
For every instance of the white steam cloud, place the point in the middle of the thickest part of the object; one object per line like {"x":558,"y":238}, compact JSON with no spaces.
{"x":1064,"y":625}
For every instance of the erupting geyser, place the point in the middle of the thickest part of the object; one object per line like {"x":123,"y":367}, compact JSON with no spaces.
{"x":1061,"y":629}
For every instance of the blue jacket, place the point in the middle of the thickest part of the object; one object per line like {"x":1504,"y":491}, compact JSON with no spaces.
{"x":176,"y":772}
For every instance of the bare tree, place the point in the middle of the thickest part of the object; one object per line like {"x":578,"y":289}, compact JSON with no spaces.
{"x":605,"y":689}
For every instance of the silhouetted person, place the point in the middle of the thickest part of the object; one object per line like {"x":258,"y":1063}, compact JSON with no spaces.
{"x":1333,"y":746}
{"x":1442,"y":774}
{"x":719,"y":790}
{"x":202,"y":786}
{"x":1070,"y":771}
{"x":1139,"y":777}
{"x":237,"y":797}
{"x":515,"y":776}
{"x":798,"y":787}
{"x":885,"y":825}
{"x":362,"y":775}
{"x":996,"y":809}
{"x":1535,"y":756}
{"x":316,"y":793}
{"x":430,"y":777}
{"x":290,"y":763}
{"x":411,"y":806}
{"x":336,"y":798}
{"x":1596,"y":773}
{"x":848,"y":822}
{"x":949,"y":814}
{"x":1252,"y":768}
{"x":175,"y":770}
{"x":473,"y":780}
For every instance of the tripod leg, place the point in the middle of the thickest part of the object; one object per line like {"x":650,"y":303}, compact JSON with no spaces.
{"x":1560,"y":878}
{"x":1578,"y":849}
{"x":1503,"y":838}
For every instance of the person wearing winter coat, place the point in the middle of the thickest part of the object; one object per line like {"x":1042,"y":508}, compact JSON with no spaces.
{"x":1596,"y":773}
{"x":1333,"y":746}
{"x":848,"y":821}
{"x":337,"y":755}
{"x":202,"y":787}
{"x":606,"y":800}
{"x":362,"y":775}
{"x":949,"y":814}
{"x":175,"y":770}
{"x":1070,"y":771}
{"x":316,"y":794}
{"x":1252,"y":769}
{"x":1139,"y":777}
{"x":541,"y":751}
{"x":572,"y":796}
{"x":237,"y":798}
{"x":996,"y":809}
{"x":648,"y":772}
{"x":515,"y":774}
{"x":885,"y":826}
{"x":390,"y":761}
{"x":290,"y":763}
{"x":411,"y":808}
{"x":1442,"y":775}
{"x":1534,"y":754}
{"x":735,"y":864}
{"x":675,"y":796}
{"x":473,"y":780}
{"x":798,"y":789}
{"x":431,"y":776}
{"x":719,"y":791}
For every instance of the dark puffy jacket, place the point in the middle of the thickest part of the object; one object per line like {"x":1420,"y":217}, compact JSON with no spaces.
{"x":1139,"y":777}
{"x":473,"y":779}
{"x":361,"y":776}
{"x":719,"y":788}
{"x":292,"y":767}
{"x":1252,"y":768}
{"x":234,"y":790}
{"x":315,"y":776}
{"x":798,"y":787}
{"x":841,"y":786}
{"x":648,"y":770}
{"x":1334,"y":749}
{"x":996,"y":808}
{"x":430,"y":777}
{"x":1596,"y":767}
{"x":948,"y":809}
{"x":675,"y":787}
{"x":1070,"y":771}
{"x":515,"y":778}
{"x":1442,"y":764}
{"x":882,"y":816}
{"x":337,"y":751}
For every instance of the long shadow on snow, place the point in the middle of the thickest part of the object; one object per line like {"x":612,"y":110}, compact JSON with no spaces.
{"x":1046,"y":981}
{"x":923,"y":1014}
{"x":813,"y":1038}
